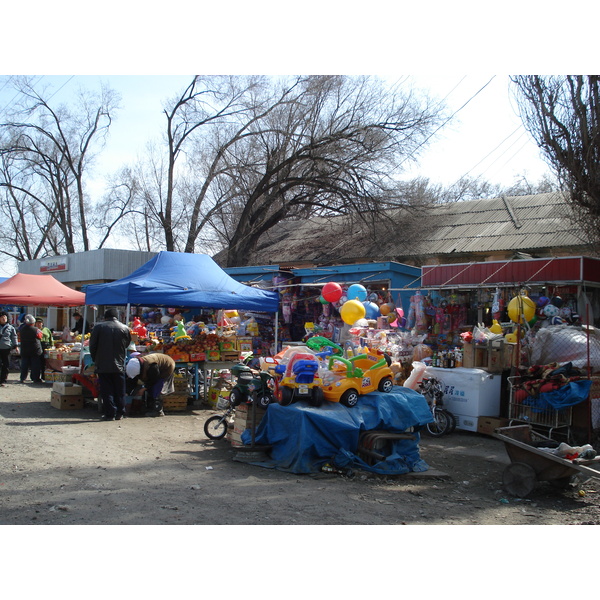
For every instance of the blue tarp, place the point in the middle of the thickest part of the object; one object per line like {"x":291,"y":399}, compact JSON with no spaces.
{"x":182,"y":280}
{"x":303,"y":438}
{"x":567,"y":395}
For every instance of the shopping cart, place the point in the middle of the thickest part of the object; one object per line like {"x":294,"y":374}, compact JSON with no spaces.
{"x":550,"y":419}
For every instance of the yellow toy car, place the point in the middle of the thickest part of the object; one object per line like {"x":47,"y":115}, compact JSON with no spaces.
{"x":358,"y":375}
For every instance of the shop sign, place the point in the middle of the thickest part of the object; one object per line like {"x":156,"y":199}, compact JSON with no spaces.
{"x":52,"y":265}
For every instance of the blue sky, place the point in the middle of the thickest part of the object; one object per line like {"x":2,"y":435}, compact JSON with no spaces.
{"x":485,"y":138}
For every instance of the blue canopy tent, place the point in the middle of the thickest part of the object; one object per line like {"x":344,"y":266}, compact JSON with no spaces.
{"x":182,"y":280}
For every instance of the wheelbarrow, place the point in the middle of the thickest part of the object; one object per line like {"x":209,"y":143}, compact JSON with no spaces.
{"x":530,"y":463}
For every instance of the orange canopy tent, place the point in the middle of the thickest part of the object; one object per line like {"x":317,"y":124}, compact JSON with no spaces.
{"x":38,"y":290}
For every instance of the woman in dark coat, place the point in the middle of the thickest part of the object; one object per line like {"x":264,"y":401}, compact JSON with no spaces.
{"x":31,"y":350}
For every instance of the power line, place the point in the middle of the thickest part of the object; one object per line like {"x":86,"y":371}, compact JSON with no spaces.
{"x":450,"y":117}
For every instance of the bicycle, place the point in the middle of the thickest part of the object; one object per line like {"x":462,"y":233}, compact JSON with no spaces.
{"x":444,"y":421}
{"x":215,"y":427}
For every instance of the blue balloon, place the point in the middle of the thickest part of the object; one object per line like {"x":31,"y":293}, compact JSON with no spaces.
{"x":371,"y":310}
{"x":357,"y":292}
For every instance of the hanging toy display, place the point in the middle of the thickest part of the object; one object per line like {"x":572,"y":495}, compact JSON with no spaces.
{"x":497,"y":305}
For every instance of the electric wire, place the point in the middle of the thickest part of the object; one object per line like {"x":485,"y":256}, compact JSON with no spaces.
{"x":449,"y":118}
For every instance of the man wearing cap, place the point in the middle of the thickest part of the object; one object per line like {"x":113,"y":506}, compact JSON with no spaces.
{"x":108,"y":348}
{"x":156,"y":373}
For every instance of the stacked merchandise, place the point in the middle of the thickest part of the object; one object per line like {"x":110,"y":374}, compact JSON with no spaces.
{"x":178,"y":400}
{"x":242,"y":421}
{"x":66,"y":396}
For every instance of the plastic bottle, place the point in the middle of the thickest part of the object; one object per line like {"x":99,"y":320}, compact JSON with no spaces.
{"x":458,"y":360}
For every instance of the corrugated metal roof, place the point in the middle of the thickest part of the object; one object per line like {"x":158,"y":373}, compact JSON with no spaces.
{"x":527,"y":223}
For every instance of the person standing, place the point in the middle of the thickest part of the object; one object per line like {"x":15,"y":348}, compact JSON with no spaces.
{"x":8,"y":341}
{"x":108,"y":348}
{"x":156,"y":373}
{"x":31,"y":350}
{"x":47,"y":342}
{"x":79,"y":325}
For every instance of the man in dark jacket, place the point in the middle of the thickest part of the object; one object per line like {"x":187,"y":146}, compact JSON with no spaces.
{"x":108,"y":348}
{"x":156,"y":373}
{"x":31,"y":350}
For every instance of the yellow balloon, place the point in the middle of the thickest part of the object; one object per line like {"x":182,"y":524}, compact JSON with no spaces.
{"x":519,"y":307}
{"x":351,"y":311}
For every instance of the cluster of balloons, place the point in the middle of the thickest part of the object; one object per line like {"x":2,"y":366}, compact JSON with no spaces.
{"x":355,"y":304}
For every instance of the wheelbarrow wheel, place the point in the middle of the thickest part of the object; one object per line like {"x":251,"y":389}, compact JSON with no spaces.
{"x":519,"y":479}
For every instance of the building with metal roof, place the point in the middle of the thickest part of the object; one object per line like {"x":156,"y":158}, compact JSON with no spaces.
{"x":535,"y":226}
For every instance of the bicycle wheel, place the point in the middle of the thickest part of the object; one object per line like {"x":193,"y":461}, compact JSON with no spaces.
{"x":215,"y":427}
{"x":440,"y":424}
{"x":451,"y":421}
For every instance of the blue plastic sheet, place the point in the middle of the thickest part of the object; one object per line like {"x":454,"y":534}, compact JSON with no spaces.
{"x":567,"y":395}
{"x":303,"y":438}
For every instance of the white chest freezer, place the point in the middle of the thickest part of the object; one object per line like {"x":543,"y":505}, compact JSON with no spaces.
{"x":469,"y":394}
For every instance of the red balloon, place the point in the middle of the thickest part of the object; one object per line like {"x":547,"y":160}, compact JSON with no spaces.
{"x":332,"y":291}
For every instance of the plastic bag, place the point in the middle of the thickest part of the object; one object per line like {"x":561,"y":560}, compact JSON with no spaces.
{"x":416,"y":376}
{"x":421,"y":351}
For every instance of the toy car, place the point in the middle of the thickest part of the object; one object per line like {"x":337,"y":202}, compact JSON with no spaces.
{"x":358,"y":375}
{"x":300,"y":380}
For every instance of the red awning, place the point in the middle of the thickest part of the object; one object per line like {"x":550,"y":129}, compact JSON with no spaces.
{"x":559,"y":270}
{"x":38,"y":290}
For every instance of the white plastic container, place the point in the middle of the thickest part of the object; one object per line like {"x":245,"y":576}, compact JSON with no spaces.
{"x":469,"y":394}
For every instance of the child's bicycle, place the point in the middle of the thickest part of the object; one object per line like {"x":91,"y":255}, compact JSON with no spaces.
{"x":444,"y":421}
{"x":215,"y":427}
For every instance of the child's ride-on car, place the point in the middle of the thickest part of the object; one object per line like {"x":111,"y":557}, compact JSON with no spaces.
{"x":300,"y":380}
{"x":251,"y":386}
{"x":358,"y":375}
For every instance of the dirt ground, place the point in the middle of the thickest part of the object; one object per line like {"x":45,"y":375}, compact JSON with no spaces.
{"x":68,"y":468}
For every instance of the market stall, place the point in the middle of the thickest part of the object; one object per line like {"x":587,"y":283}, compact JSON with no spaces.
{"x":508,"y":317}
{"x":44,"y":290}
{"x":182,"y":280}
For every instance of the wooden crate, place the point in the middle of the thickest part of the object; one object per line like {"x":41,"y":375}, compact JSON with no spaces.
{"x":175,"y":402}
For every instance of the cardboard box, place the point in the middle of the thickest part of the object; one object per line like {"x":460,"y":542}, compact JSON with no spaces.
{"x":63,"y":402}
{"x":197,"y":356}
{"x":487,"y":425}
{"x":67,"y":389}
{"x":475,"y":356}
{"x":244,"y":344}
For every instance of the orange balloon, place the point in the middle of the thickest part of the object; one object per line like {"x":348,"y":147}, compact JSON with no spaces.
{"x":386,"y":309}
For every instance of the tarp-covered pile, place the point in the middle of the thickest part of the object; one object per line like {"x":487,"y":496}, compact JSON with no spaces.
{"x":304,"y":438}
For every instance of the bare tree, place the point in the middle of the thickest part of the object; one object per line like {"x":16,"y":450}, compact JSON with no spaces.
{"x":243,"y":153}
{"x":562,"y":113}
{"x":48,"y":152}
